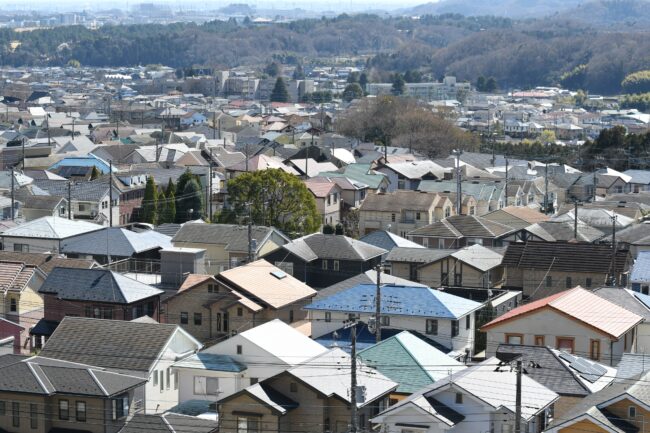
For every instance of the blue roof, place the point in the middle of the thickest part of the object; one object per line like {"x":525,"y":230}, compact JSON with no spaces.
{"x":641,"y":268}
{"x":83,"y":161}
{"x":397,"y":301}
{"x":644,"y":299}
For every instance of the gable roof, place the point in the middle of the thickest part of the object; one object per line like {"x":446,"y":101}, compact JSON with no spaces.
{"x":266,"y":283}
{"x":51,"y":227}
{"x":581,"y":305}
{"x":98,"y":285}
{"x":479,"y":257}
{"x":109,"y":343}
{"x":168,"y":422}
{"x":397,"y":301}
{"x":417,"y":255}
{"x":387,"y":240}
{"x":337,"y":247}
{"x":45,"y":261}
{"x":566,"y":257}
{"x":14,"y":276}
{"x":401,"y":199}
{"x":635,"y":302}
{"x":420,"y":364}
{"x":233,"y":237}
{"x":123,"y":242}
{"x":459,"y":226}
{"x":553,"y":231}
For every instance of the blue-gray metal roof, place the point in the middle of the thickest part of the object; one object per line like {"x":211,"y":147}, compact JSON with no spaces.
{"x":212,"y":362}
{"x":115,"y":241}
{"x":641,"y":268}
{"x":397,"y":301}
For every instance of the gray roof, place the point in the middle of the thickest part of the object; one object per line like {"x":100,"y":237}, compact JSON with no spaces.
{"x":387,"y":240}
{"x":98,"y":285}
{"x":553,"y":231}
{"x":169,"y":229}
{"x":624,"y":298}
{"x":41,"y":202}
{"x":632,"y":365}
{"x":168,"y":422}
{"x":34,"y":376}
{"x":108,"y":343}
{"x":339,"y":247}
{"x":459,"y":226}
{"x":417,"y":255}
{"x":91,"y":191}
{"x":123,"y":243}
{"x":233,"y":237}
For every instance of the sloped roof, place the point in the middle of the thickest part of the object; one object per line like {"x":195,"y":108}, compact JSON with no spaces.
{"x":553,"y":231}
{"x":459,"y":226}
{"x":115,"y":241}
{"x":479,"y":257}
{"x":99,"y":285}
{"x":582,"y":305}
{"x":233,"y":237}
{"x":641,"y":268}
{"x":338,"y":247}
{"x":51,"y":227}
{"x":387,"y":240}
{"x":417,"y":255}
{"x":398,"y":200}
{"x":517,"y":216}
{"x":266,"y":283}
{"x":45,"y":261}
{"x":109,"y":343}
{"x":397,"y":301}
{"x":420,"y":364}
{"x":168,"y":423}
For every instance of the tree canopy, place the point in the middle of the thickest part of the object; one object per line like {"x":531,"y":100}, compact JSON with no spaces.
{"x":279,"y":92}
{"x":150,"y":202}
{"x":638,"y":82}
{"x":276,"y":198}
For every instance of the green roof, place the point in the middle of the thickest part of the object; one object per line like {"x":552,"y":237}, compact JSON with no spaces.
{"x":360,"y":173}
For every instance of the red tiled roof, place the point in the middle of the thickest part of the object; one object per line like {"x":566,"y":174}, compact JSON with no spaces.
{"x":193,"y":280}
{"x":320,"y":187}
{"x":583,"y":306}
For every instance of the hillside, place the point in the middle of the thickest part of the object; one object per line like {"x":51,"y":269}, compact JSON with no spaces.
{"x":516,"y":9}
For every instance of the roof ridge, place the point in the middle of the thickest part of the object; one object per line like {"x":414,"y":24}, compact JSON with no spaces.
{"x":92,"y":375}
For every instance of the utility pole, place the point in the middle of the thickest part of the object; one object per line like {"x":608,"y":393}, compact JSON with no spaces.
{"x":23,"y":154}
{"x":250,"y":233}
{"x":353,"y":378}
{"x":595,"y":184}
{"x":69,"y":199}
{"x":614,"y":217}
{"x":13,"y":196}
{"x":518,"y":398}
{"x":210,"y":183}
{"x":546,"y":187}
{"x":575,"y":219}
{"x":49,"y":136}
{"x":378,"y":305}
{"x":506,"y":188}
{"x":246,"y":157}
{"x":459,"y":188}
{"x":110,"y":193}
{"x":214,"y":126}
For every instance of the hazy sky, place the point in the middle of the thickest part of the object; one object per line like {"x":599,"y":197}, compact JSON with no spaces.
{"x":336,"y":5}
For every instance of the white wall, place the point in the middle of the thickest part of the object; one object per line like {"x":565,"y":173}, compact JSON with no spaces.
{"x":229,"y":383}
{"x":35,"y":245}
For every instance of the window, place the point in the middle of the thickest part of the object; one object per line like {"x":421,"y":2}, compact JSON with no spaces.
{"x":198,"y":319}
{"x":2,"y":408}
{"x":81,"y":411}
{"x":432,"y":327}
{"x":468,"y":321}
{"x":206,"y":385}
{"x":13,"y":305}
{"x":169,"y":377}
{"x":459,"y":398}
{"x":184,"y":318}
{"x":385,"y":320}
{"x":293,"y":387}
{"x":162,"y":380}
{"x":335,"y":265}
{"x":225,"y":322}
{"x":240,"y":350}
{"x":539,"y":340}
{"x":514,"y":339}
{"x":458,"y":279}
{"x":417,"y":216}
{"x":15,"y":414}
{"x":455,"y":328}
{"x":240,"y":312}
{"x":82,"y":207}
{"x":176,"y":380}
{"x":565,"y":343}
{"x":447,"y":212}
{"x":631,"y":412}
{"x":549,"y":281}
{"x":328,"y":317}
{"x":155,"y":378}
{"x":213,"y":288}
{"x":441,"y":244}
{"x":21,"y":248}
{"x":248,"y":425}
{"x":594,"y":349}
{"x":120,"y":406}
{"x":64,"y":410}
{"x":392,"y":217}
{"x":588,"y":282}
{"x":290,"y":316}
{"x":33,"y":415}
{"x":324,"y":265}
{"x":567,"y":283}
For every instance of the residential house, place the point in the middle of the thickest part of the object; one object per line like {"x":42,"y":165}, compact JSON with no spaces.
{"x":573,"y":378}
{"x":472,"y":266}
{"x":442,"y":317}
{"x":420,"y":363}
{"x":635,"y":237}
{"x":517,"y":217}
{"x":639,"y":180}
{"x":45,"y":234}
{"x":387,"y":240}
{"x":44,"y":395}
{"x":37,"y":206}
{"x":10,"y":337}
{"x":352,"y":192}
{"x":328,"y":199}
{"x":610,"y":181}
{"x":467,"y":401}
{"x":462,"y":230}
{"x":405,"y":262}
{"x":320,"y":260}
{"x":639,"y":280}
{"x":169,"y":422}
{"x":146,"y":350}
{"x":619,"y":408}
{"x":488,"y":195}
{"x":227,"y":245}
{"x":402,"y":211}
{"x":256,"y":163}
{"x":561,"y":231}
{"x":636,"y":302}
{"x":112,"y":244}
{"x":237,"y":300}
{"x":234,"y":364}
{"x":362,"y":174}
{"x":576,"y":321}
{"x":312,"y":396}
{"x":540,"y":269}
{"x":309,"y":167}
{"x":408,"y":175}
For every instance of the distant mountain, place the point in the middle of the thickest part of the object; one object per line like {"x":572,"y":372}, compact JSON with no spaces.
{"x":619,"y":13}
{"x":504,"y":8}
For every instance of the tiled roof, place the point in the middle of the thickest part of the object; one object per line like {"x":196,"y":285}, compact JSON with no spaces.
{"x":565,"y":257}
{"x":193,"y":280}
{"x":45,"y":261}
{"x":582,"y":305}
{"x":108,"y":343}
{"x":266,"y":283}
{"x":168,"y":423}
{"x":397,"y":301}
{"x":553,"y":231}
{"x":233,"y":237}
{"x":116,"y":242}
{"x":459,"y":226}
{"x":625,"y":298}
{"x":398,"y":200}
{"x":97,"y":285}
{"x":338,"y":247}
{"x":417,"y":255}
{"x":320,"y":187}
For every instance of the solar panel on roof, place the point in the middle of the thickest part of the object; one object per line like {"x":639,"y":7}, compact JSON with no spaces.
{"x":567,"y":357}
{"x":279,"y":274}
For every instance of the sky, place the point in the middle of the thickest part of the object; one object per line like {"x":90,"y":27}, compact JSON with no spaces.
{"x":317,"y":5}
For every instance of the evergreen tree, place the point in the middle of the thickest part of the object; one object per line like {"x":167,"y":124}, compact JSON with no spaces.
{"x":168,"y":214}
{"x":298,"y":73}
{"x":480,"y":84}
{"x":399,"y":84}
{"x":363,"y":80}
{"x":491,"y":85}
{"x":95,"y":173}
{"x":193,"y":200}
{"x":352,"y":91}
{"x":161,"y":205}
{"x":181,"y":203}
{"x":149,"y":202}
{"x":280,"y":92}
{"x":171,"y":188}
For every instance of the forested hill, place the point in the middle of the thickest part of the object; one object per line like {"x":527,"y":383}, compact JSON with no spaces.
{"x":518,"y":53}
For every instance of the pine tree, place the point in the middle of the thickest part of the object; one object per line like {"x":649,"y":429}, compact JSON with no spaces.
{"x":193,"y":200}
{"x":171,"y":188}
{"x":280,"y":92}
{"x":149,"y":202}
